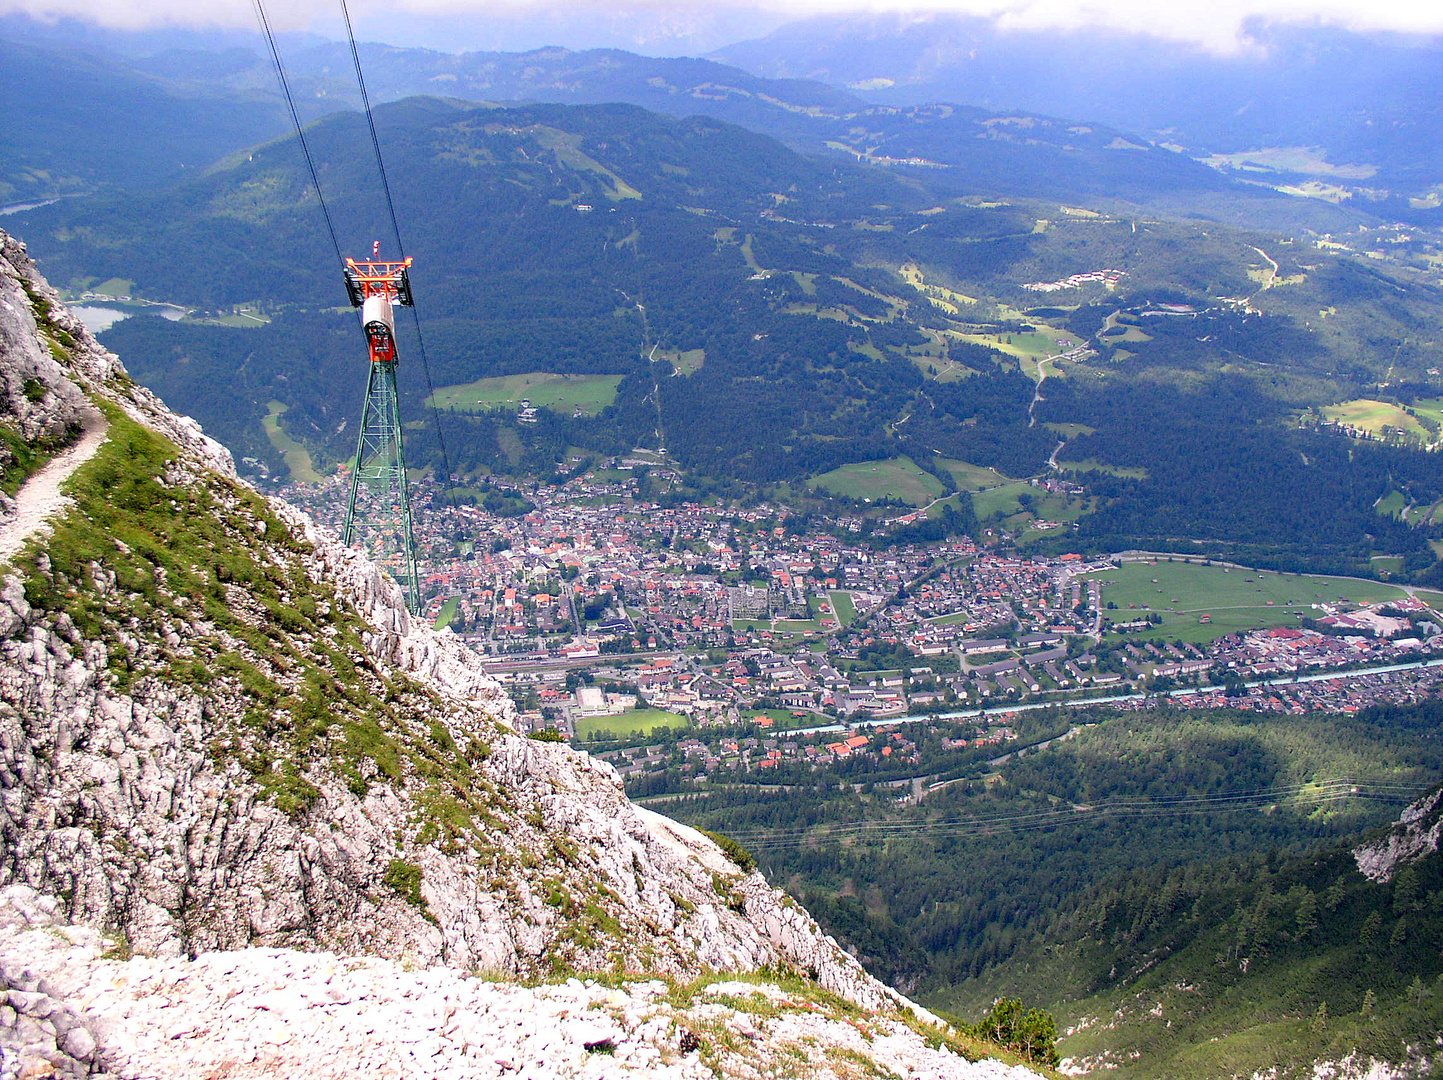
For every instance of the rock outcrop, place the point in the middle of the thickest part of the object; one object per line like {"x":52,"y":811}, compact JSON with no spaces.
{"x":220,"y":731}
{"x":276,"y":1013}
{"x":1416,"y":833}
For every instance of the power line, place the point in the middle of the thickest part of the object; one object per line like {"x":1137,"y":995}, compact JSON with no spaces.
{"x":300,"y":131}
{"x":1324,"y":791}
{"x":396,"y":231}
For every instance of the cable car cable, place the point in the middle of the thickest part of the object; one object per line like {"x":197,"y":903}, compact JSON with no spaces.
{"x":300,"y":131}
{"x":400,"y":246}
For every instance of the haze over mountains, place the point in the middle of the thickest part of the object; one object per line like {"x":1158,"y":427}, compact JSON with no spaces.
{"x":1368,"y":103}
{"x":807,"y":272}
{"x":1341,"y":117}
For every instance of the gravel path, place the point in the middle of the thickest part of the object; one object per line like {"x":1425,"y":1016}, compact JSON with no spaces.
{"x":40,"y":497}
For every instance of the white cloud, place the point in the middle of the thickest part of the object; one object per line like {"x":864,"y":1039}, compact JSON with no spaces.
{"x":1216,"y":24}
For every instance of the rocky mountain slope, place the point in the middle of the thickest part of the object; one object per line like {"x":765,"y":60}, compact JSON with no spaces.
{"x":220,"y":730}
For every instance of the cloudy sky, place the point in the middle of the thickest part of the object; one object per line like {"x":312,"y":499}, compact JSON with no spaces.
{"x":700,"y":25}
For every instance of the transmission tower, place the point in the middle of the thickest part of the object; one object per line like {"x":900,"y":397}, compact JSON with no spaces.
{"x":379,"y":505}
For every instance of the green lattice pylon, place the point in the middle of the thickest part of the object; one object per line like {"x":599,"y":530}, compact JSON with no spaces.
{"x":378,"y":510}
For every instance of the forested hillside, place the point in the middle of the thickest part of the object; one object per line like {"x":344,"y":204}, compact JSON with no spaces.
{"x":1202,"y":967}
{"x":767,"y":316}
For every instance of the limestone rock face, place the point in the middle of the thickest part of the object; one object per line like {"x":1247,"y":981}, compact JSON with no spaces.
{"x":260,"y":1012}
{"x":220,"y":730}
{"x":1416,"y":833}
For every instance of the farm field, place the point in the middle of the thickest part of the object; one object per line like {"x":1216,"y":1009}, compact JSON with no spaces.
{"x":1432,"y":408}
{"x":1028,"y":348}
{"x":634,"y":722}
{"x":562,"y":393}
{"x":298,"y":458}
{"x":1237,"y":599}
{"x":971,"y":477}
{"x":898,"y":478}
{"x":1003,"y":503}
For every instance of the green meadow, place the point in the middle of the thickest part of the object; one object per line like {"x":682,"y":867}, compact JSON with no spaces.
{"x":544,"y":389}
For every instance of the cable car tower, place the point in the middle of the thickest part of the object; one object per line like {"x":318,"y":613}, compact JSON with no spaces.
{"x":379,"y":505}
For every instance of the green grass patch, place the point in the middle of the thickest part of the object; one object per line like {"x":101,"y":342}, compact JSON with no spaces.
{"x":1390,"y":504}
{"x":1070,"y":431}
{"x":684,"y":363}
{"x":447,"y":612}
{"x":790,"y":627}
{"x":897,"y":478}
{"x":844,"y":607}
{"x":633,"y":722}
{"x":1093,"y":465}
{"x":950,"y":620}
{"x":544,"y":389}
{"x":298,"y":458}
{"x":971,"y":477}
{"x":1236,"y":599}
{"x":114,"y":287}
{"x":1002,"y":502}
{"x":782,"y":719}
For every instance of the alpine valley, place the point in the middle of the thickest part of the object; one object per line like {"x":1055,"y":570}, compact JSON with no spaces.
{"x":915,"y":580}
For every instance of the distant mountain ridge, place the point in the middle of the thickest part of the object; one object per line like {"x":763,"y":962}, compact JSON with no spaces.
{"x":1366,"y":101}
{"x":85,"y":121}
{"x":966,"y":149}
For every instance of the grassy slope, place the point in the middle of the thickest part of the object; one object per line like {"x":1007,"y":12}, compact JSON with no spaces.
{"x":897,"y":477}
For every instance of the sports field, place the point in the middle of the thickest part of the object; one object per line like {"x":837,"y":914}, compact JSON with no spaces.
{"x":844,"y":607}
{"x":623,"y":725}
{"x":562,"y":393}
{"x":1236,"y":599}
{"x":897,"y":477}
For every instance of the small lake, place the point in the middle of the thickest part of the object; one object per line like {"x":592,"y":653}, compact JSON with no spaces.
{"x":98,"y":318}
